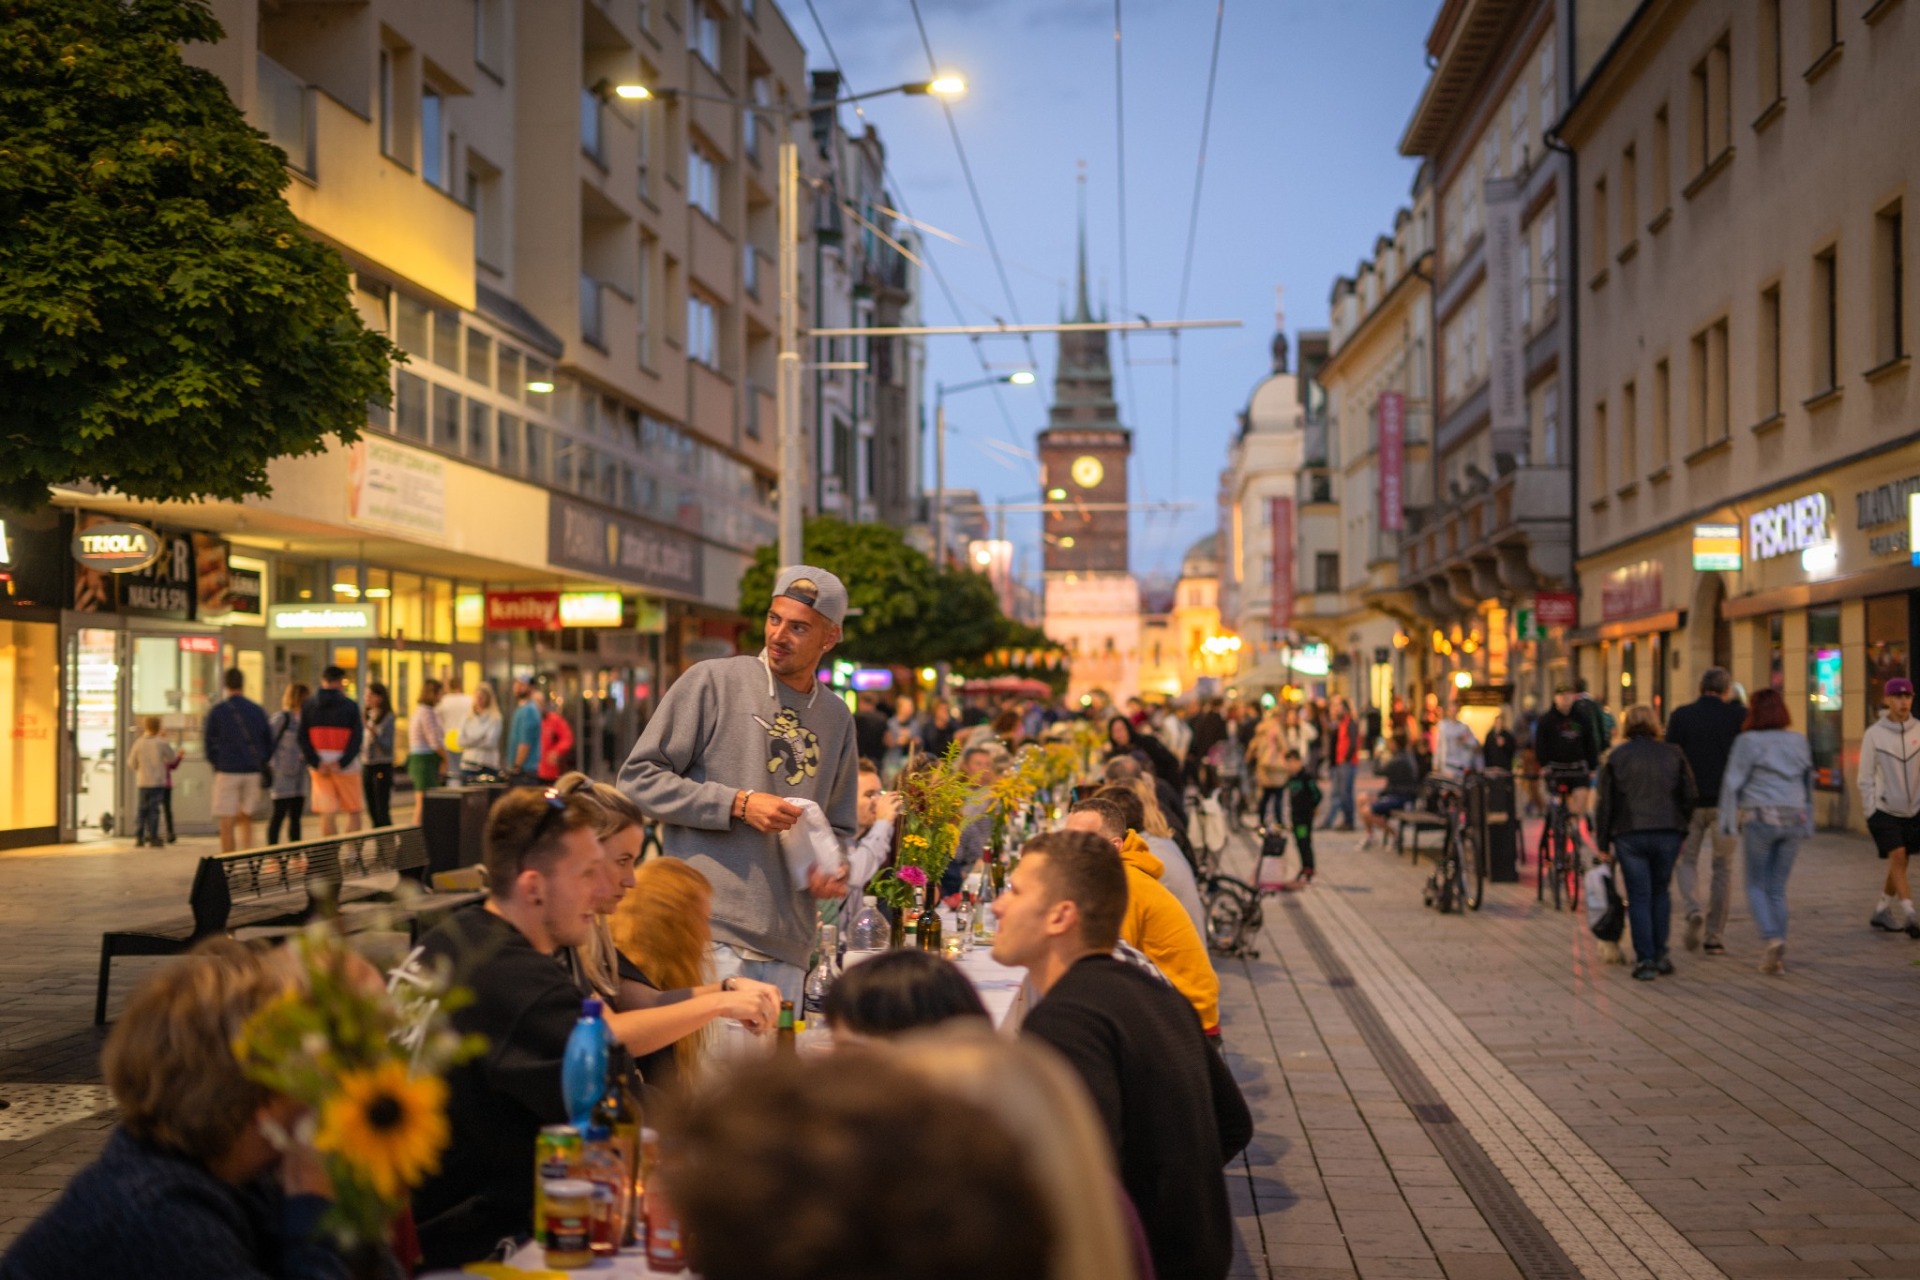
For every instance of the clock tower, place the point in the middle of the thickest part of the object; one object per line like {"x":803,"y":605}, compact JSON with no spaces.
{"x":1084,"y":452}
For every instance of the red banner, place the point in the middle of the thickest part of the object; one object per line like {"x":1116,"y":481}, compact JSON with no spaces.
{"x":1280,"y":610}
{"x":1556,"y":609}
{"x":1392,"y":413}
{"x":523,"y":611}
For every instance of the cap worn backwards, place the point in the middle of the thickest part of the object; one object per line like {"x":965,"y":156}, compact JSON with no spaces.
{"x":815,"y":588}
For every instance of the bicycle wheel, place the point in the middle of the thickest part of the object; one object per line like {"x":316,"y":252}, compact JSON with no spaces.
{"x":1560,"y":853}
{"x":1543,"y":860}
{"x":1473,"y":873}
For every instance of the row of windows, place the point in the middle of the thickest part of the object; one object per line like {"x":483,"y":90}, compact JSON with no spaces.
{"x":1508,"y":150}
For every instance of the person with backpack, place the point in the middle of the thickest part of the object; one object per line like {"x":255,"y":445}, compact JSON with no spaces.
{"x":238,"y":743}
{"x":1569,"y":733}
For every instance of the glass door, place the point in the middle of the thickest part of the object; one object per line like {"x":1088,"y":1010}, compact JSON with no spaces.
{"x":95,"y":806}
{"x":175,"y":678}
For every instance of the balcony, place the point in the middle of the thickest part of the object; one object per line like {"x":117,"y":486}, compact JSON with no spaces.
{"x":283,"y":108}
{"x":592,"y":313}
{"x":1498,"y":538}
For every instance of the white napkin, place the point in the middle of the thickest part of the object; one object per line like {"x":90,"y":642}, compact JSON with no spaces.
{"x":811,"y":843}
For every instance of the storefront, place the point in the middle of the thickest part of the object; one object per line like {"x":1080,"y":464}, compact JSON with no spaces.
{"x":1810,"y":588}
{"x":32,"y":581}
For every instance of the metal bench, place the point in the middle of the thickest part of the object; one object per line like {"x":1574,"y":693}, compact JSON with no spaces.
{"x":1411,"y":822}
{"x":364,"y":879}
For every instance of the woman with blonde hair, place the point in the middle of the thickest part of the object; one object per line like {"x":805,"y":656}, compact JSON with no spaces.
{"x":1046,"y":1109}
{"x":680,"y":1010}
{"x":662,"y":931}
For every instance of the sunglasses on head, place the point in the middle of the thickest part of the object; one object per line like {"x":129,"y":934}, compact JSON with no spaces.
{"x":556,"y":798}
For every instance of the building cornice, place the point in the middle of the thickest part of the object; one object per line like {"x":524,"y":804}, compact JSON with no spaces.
{"x":1370,"y":322}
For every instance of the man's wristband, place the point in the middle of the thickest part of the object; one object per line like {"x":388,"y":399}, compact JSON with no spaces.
{"x":740,"y":804}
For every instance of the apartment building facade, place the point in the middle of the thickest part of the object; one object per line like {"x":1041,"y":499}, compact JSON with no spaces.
{"x":1487,"y":561}
{"x":1748,"y":443}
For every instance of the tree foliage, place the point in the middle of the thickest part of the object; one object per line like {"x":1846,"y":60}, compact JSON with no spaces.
{"x":909,"y":614}
{"x":166,"y":327}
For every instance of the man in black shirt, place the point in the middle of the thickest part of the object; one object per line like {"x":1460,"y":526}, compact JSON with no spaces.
{"x":1570,"y":734}
{"x":1704,"y":731}
{"x":1172,"y":1110}
{"x":546,"y":870}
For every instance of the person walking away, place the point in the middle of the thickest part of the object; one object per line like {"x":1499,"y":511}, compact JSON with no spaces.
{"x":734,"y":742}
{"x":1207,"y":730}
{"x":1401,"y":769}
{"x":1645,"y":799}
{"x":941,"y":728}
{"x":1890,"y":797}
{"x":426,"y":745}
{"x":238,"y":744}
{"x":1170,"y":1106}
{"x":377,"y":741}
{"x":1500,"y":748}
{"x":1705,"y":730}
{"x":330,"y":735}
{"x":1456,"y":752}
{"x":1768,"y":777}
{"x":870,"y":729}
{"x":1126,"y":738}
{"x":522,"y":758}
{"x":1303,"y":797}
{"x":480,"y":735}
{"x":1171,"y":730}
{"x":290,"y":782}
{"x":453,"y":709}
{"x":1268,"y":759}
{"x":904,"y":736}
{"x":150,"y":758}
{"x":1568,"y":733}
{"x":1343,"y":757}
{"x":556,"y":741}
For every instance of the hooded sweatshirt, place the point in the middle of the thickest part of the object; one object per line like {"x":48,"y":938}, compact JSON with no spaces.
{"x":1890,"y":767}
{"x":1157,"y":924}
{"x":728,"y":726}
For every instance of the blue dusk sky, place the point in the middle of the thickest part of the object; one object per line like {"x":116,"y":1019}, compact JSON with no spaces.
{"x":1302,"y":173}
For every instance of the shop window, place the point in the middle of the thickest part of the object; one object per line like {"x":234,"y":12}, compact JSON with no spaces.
{"x":1823,"y":695}
{"x":379,"y":594}
{"x":1629,"y":675}
{"x":1887,"y":647}
{"x":408,"y":614}
{"x":294,"y":581}
{"x":440,"y":610}
{"x":469,"y":617}
{"x":29,"y":754}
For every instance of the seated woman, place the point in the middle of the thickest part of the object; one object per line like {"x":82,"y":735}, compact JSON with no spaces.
{"x":899,"y":991}
{"x":653,"y":1017}
{"x":1402,"y":771}
{"x":189,"y":1185}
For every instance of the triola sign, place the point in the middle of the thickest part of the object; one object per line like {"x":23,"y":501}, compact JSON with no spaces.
{"x":1790,"y":526}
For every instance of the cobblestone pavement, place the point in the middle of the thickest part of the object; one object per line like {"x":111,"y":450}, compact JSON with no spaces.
{"x":1467,"y":1097}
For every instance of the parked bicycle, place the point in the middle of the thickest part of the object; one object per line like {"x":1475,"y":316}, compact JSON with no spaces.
{"x":1459,"y":879}
{"x":1559,"y":850}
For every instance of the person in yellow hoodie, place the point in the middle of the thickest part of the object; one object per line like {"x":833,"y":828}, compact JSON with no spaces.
{"x":1155,"y":922}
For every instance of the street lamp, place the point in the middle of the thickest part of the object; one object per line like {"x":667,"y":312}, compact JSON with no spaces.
{"x":1018,"y":378}
{"x":787,"y":392}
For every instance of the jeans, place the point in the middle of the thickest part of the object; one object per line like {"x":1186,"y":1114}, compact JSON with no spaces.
{"x":734,"y":1040}
{"x":1704,"y":827}
{"x":147,"y":825}
{"x":379,"y":784}
{"x":1340,"y":780}
{"x":1646,"y":859}
{"x":1274,"y":796}
{"x":286,"y":809}
{"x":1770,"y":853}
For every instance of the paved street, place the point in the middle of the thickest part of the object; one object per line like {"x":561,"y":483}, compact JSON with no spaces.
{"x":1469,"y":1097}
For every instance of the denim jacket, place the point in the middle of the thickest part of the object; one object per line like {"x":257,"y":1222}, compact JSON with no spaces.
{"x":1768,"y":768}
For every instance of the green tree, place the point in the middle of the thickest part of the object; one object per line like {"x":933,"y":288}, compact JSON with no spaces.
{"x":907,"y":613}
{"x":166,"y":327}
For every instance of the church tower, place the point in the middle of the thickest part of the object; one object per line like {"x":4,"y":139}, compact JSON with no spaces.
{"x":1084,"y":450}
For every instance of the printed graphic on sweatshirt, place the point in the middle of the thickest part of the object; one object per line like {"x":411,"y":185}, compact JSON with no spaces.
{"x":792,"y":746}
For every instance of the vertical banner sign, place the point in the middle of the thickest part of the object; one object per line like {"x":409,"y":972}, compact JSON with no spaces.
{"x":1506,"y":337}
{"x":1392,"y":415}
{"x":1280,"y":587}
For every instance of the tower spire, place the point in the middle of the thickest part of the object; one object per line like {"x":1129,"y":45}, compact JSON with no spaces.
{"x":1083,"y":312}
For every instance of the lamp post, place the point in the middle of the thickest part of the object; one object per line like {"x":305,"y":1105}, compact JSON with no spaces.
{"x":787,"y":387}
{"x":1020,"y":378}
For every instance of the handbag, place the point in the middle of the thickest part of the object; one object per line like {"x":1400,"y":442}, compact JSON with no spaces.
{"x":1606,"y":913}
{"x":1272,"y":870}
{"x":266,"y":770}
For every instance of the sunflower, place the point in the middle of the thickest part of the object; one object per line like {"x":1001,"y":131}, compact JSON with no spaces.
{"x":388,"y":1125}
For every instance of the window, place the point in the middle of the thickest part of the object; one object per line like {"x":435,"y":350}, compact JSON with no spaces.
{"x":1887,"y":632}
{"x":413,"y":325}
{"x":643,"y":301}
{"x":1629,"y":195}
{"x":1889,"y":285}
{"x":1825,"y":312}
{"x":433,"y":137}
{"x":389,"y":135}
{"x":1767,"y":52}
{"x":510,"y":384}
{"x":490,"y":34}
{"x":1823,"y":35}
{"x":703,"y":33}
{"x":1711,"y":121}
{"x":703,"y":182}
{"x":702,"y":332}
{"x":1707,"y":420}
{"x":1517,"y":137}
{"x":1767,"y":362}
{"x":592,"y":116}
{"x":1549,"y":102}
{"x":479,"y":357}
{"x":507,"y":442}
{"x":1550,"y":424}
{"x":446,"y":419}
{"x":751,"y":123}
{"x":1776,"y":673}
{"x":446,"y":340}
{"x":1601,"y":443}
{"x":1629,"y":434}
{"x":1662,"y":413}
{"x":479,"y":445}
{"x":410,"y":405}
{"x":1326,"y":571}
{"x":489,"y":220}
{"x":1550,"y":253}
{"x":1526,"y":283}
{"x":1598,"y":228}
{"x":1662,"y":162}
{"x":1823,"y":695}
{"x":536,"y":452}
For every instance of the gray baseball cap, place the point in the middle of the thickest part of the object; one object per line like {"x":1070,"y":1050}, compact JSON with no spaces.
{"x":815,"y":588}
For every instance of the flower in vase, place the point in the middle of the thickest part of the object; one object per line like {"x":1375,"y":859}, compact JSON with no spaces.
{"x":911,"y":841}
{"x":388,"y":1125}
{"x":913,"y":875}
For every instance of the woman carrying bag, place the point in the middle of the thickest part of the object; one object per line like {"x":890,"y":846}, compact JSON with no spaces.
{"x":1644,"y":798}
{"x":1769,"y":777}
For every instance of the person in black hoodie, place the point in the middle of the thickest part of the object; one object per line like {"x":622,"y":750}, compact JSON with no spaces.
{"x":1704,"y":731}
{"x":1169,"y":1104}
{"x":1643,"y":800}
{"x":1125,"y":739}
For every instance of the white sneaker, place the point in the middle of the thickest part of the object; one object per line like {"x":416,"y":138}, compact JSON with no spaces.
{"x":1884,"y":919}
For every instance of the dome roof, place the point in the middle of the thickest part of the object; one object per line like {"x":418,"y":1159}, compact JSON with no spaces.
{"x":1203,"y":558}
{"x":1274,"y":404}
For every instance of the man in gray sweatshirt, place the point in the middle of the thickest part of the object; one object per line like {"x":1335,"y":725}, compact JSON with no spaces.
{"x":734,"y":741}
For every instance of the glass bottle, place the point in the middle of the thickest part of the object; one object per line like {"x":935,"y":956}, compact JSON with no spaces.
{"x":783,"y":1038}
{"x":930,"y":930}
{"x":619,"y":1113}
{"x":826,"y":971}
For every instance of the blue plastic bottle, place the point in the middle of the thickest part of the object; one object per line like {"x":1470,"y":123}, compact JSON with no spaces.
{"x":583,"y":1071}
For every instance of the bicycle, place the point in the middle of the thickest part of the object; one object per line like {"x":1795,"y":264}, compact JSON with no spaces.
{"x":1559,"y":854}
{"x":1459,"y":879}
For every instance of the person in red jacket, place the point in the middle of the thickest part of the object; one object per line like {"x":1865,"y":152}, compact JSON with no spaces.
{"x":556,"y":742}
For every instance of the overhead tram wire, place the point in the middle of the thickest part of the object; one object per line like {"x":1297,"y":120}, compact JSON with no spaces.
{"x":899,"y":190}
{"x":1120,"y":149}
{"x":1193,"y":225}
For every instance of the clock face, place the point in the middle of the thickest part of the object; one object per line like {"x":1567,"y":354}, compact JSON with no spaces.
{"x":1087,"y":471}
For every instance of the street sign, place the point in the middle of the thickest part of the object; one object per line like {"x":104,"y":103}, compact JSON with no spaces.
{"x":1528,"y":626}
